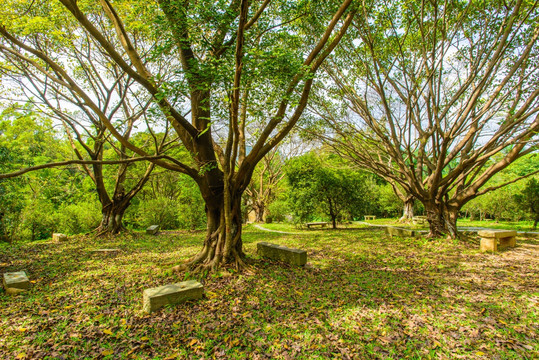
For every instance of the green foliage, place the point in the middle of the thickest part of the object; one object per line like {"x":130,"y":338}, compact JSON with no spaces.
{"x":528,"y":199}
{"x":191,"y":213}
{"x":278,"y":210}
{"x":319,"y":190}
{"x":170,"y":200}
{"x":390,"y":204}
{"x":37,"y":220}
{"x":78,"y":218}
{"x":500,"y":204}
{"x":161,"y":210}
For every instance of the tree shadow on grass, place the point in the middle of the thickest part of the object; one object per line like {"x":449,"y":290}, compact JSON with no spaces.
{"x":362,"y":296}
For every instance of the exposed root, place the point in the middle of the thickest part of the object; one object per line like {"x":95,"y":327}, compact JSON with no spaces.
{"x":102,"y":231}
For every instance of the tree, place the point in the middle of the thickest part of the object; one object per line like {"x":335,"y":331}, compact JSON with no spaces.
{"x":528,"y":199}
{"x":220,"y":60}
{"x":319,"y":189}
{"x":110,"y":90}
{"x":25,"y":140}
{"x":269,"y":173}
{"x":431,"y":92}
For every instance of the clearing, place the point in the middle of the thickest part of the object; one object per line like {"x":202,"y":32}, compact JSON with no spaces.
{"x":361,"y":296}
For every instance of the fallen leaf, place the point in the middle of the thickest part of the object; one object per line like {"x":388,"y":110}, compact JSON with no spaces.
{"x":107,"y":352}
{"x":172,"y":357}
{"x":108,"y":332}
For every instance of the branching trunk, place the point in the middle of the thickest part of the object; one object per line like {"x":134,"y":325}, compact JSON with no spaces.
{"x":442,"y":219}
{"x":259,"y":208}
{"x":408,"y":210}
{"x":223,"y":243}
{"x":112,"y":216}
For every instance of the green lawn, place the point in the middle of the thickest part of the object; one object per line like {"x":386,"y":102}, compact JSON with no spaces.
{"x":361,"y":296}
{"x":507,"y":225}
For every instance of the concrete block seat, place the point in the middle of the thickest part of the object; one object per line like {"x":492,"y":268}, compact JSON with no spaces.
{"x":490,"y":239}
{"x":282,"y":253}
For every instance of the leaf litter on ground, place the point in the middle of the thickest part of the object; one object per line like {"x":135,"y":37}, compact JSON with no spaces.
{"x":362,"y":296}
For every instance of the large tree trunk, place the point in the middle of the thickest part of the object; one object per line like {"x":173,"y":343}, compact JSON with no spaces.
{"x":408,"y":210}
{"x":442,"y":219}
{"x":223,"y":243}
{"x":112,"y":216}
{"x":259,"y":209}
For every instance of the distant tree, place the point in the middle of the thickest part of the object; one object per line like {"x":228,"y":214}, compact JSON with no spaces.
{"x":27,"y":139}
{"x":320,"y":189}
{"x":111,"y":97}
{"x":437,"y":97}
{"x":528,"y":199}
{"x":268,"y":176}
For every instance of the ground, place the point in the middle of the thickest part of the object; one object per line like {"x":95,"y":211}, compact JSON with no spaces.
{"x":361,"y":296}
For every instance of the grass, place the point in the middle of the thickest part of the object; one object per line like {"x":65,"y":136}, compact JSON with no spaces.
{"x":507,"y":225}
{"x":362,"y":296}
{"x":464,"y":222}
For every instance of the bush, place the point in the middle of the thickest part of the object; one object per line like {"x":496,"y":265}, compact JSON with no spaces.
{"x":160,"y":211}
{"x":78,"y":218}
{"x":278,"y":210}
{"x":191,"y":215}
{"x":37,"y":221}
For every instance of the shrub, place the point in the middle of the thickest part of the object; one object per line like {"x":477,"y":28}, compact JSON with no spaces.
{"x":160,"y":211}
{"x":37,"y":220}
{"x":78,"y":218}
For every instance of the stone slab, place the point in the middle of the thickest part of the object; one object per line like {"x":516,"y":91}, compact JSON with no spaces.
{"x":152,"y":230}
{"x":17,"y":280}
{"x":320,"y":223}
{"x":497,"y":234}
{"x":173,"y":294}
{"x":282,"y":253}
{"x":400,"y":232}
{"x":488,"y":244}
{"x":490,"y":238}
{"x":59,"y":237}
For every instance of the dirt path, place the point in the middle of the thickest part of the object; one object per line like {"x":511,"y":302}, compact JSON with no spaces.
{"x":275,"y":231}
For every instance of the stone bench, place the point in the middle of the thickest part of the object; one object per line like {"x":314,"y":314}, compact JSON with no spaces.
{"x":370,"y":217}
{"x":490,"y":238}
{"x":59,"y":237}
{"x":173,"y":294}
{"x":282,"y":253}
{"x":16,"y":280}
{"x":319,"y":223}
{"x":152,"y":230}
{"x":400,"y":232}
